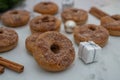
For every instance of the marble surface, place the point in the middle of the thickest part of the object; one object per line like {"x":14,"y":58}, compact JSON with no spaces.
{"x":107,"y":68}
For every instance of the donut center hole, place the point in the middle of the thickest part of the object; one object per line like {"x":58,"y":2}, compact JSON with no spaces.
{"x":46,"y":3}
{"x":45,"y":19}
{"x":14,"y":12}
{"x":37,"y":22}
{"x":92,"y":28}
{"x":75,"y":10}
{"x":55,"y":48}
{"x":1,"y":31}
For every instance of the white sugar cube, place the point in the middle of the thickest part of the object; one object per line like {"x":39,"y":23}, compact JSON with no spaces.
{"x":89,"y":51}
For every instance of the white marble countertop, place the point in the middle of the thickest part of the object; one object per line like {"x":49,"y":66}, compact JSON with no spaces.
{"x":107,"y":68}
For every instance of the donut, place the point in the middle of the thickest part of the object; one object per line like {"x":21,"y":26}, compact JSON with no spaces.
{"x":78,"y":15}
{"x":8,"y":39}
{"x":30,"y":42}
{"x":46,"y":8}
{"x":113,"y":26}
{"x":116,"y":16}
{"x":53,"y":51}
{"x":15,"y":18}
{"x":91,"y":32}
{"x":44,"y":23}
{"x":107,"y":20}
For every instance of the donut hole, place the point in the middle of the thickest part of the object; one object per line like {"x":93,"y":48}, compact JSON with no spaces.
{"x":92,"y":28}
{"x":45,"y":19}
{"x":1,"y":31}
{"x":55,"y":48}
{"x":37,"y":22}
{"x":14,"y":12}
{"x":46,"y":3}
{"x":51,"y":19}
{"x":74,"y":10}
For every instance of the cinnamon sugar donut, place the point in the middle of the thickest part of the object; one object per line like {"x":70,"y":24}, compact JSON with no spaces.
{"x":8,"y":39}
{"x":91,"y":32}
{"x":46,"y":8}
{"x":15,"y":18}
{"x":113,"y":26}
{"x":78,"y":15}
{"x":30,"y":42}
{"x":116,"y":16}
{"x":45,"y":23}
{"x":54,"y":51}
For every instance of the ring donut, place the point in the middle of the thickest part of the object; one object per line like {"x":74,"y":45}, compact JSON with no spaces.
{"x":8,"y":39}
{"x":116,"y":16}
{"x":15,"y":18}
{"x":54,"y":51}
{"x":91,"y":32}
{"x":113,"y":26}
{"x":44,"y":23}
{"x":46,"y":8}
{"x":78,"y":15}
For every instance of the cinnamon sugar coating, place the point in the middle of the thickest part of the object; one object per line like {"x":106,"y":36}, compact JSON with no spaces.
{"x":91,"y":32}
{"x":15,"y":18}
{"x":44,"y":23}
{"x":54,"y":51}
{"x":30,"y":42}
{"x":78,"y":15}
{"x":8,"y":39}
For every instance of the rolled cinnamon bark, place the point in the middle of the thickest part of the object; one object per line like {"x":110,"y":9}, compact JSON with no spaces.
{"x":11,"y":65}
{"x":2,"y":69}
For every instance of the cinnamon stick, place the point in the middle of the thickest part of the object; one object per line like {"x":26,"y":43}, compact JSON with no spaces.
{"x":1,"y":69}
{"x":11,"y":65}
{"x":97,"y":12}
